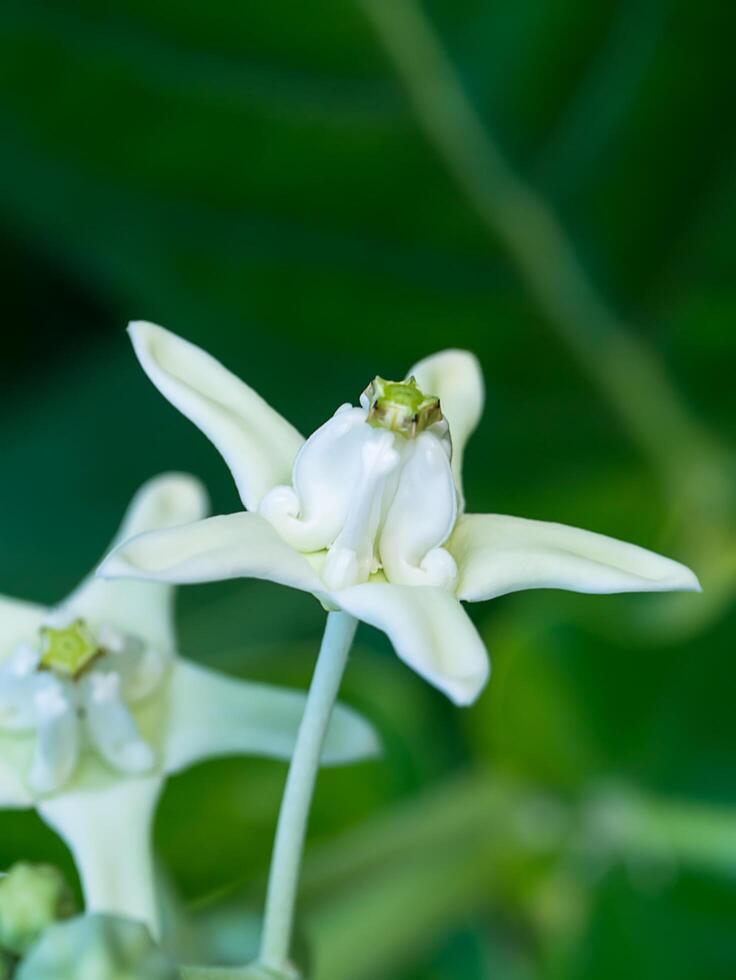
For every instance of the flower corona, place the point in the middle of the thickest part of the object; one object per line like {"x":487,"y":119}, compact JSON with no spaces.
{"x":373,"y":489}
{"x":368,"y":513}
{"x":73,"y":687}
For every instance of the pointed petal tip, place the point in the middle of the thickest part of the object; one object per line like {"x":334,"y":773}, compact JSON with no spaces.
{"x":675,"y":577}
{"x":138,"y":330}
{"x":180,"y":498}
{"x":115,"y":565}
{"x":690,"y":581}
{"x":255,"y":441}
{"x":145,"y":336}
{"x":351,"y":738}
{"x":465,"y":692}
{"x":137,"y":327}
{"x":497,"y":554}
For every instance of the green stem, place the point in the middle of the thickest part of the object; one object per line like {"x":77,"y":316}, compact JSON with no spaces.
{"x":291,"y":830}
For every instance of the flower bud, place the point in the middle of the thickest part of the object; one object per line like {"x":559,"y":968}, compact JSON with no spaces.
{"x":97,"y":947}
{"x":32,"y":897}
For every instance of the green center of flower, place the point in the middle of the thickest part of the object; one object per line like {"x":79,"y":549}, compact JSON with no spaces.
{"x":401,"y":406}
{"x":69,"y":650}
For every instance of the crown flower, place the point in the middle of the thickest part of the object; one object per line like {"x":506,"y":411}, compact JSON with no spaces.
{"x":97,"y":708}
{"x":368,"y":512}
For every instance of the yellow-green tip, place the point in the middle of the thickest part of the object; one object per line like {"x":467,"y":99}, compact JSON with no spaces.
{"x":68,"y":650}
{"x":401,"y":406}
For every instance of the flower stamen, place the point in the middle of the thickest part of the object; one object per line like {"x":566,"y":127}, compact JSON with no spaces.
{"x":74,"y":680}
{"x":68,"y":650}
{"x":401,"y":406}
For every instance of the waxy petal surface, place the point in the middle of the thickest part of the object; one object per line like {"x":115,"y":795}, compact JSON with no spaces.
{"x":456,"y":378}
{"x":257,"y":444}
{"x":429,"y":630}
{"x":212,"y":715}
{"x":421,"y":518}
{"x":241,"y":545}
{"x":498,"y":554}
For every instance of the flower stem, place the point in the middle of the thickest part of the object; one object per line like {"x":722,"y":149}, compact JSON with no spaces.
{"x":292,"y":825}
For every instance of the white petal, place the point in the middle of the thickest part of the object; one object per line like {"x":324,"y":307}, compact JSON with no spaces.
{"x":141,"y":669}
{"x":108,"y":831}
{"x":455,"y":377}
{"x":327,"y":470}
{"x":257,"y":444}
{"x":18,"y":683}
{"x":14,"y":794}
{"x":57,"y":738}
{"x":142,"y":608}
{"x":111,"y":728}
{"x":420,"y":519}
{"x":20,"y":622}
{"x":429,"y":630}
{"x":212,"y":715}
{"x":497,"y":554}
{"x":353,"y":556}
{"x":17,"y":713}
{"x":241,"y":545}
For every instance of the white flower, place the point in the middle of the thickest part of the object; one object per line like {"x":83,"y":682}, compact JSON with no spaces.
{"x":97,"y":708}
{"x":367,"y":514}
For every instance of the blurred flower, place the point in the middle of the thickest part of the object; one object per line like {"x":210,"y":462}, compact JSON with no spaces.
{"x":368,"y":509}
{"x":97,"y":708}
{"x":32,"y":897}
{"x":97,"y":947}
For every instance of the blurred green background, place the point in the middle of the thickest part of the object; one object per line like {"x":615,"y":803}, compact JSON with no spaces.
{"x":306,"y":191}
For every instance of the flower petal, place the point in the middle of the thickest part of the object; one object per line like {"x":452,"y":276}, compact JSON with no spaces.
{"x":14,"y":794}
{"x":110,"y":725}
{"x":58,"y":741}
{"x":108,"y":831}
{"x":140,"y":607}
{"x":497,"y":554}
{"x":455,"y":377}
{"x":327,"y":471}
{"x":429,"y":630}
{"x":257,"y":444}
{"x":212,"y":715}
{"x":241,"y":545}
{"x":420,"y":519}
{"x":19,"y":623}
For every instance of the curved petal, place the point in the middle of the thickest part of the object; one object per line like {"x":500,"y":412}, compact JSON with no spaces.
{"x":141,"y":607}
{"x":429,"y":630}
{"x":108,"y":831}
{"x":241,"y":545}
{"x":212,"y":715}
{"x":497,"y":554}
{"x":110,"y":726}
{"x":455,"y":377}
{"x":19,"y":623}
{"x":257,"y":444}
{"x":327,"y":470}
{"x":420,"y":519}
{"x":58,"y":742}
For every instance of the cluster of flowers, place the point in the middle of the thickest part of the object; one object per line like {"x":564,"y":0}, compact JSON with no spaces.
{"x":367,"y":514}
